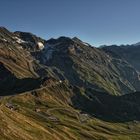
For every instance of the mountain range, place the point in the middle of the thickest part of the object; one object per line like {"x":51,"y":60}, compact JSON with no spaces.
{"x":66,"y":89}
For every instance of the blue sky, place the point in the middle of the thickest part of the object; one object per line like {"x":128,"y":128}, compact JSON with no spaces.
{"x":97,"y":22}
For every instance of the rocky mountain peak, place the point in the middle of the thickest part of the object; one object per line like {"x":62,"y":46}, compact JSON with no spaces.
{"x":69,"y":88}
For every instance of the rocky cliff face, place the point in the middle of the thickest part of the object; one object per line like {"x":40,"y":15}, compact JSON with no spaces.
{"x":19,"y":71}
{"x":89,"y":67}
{"x":83,"y":65}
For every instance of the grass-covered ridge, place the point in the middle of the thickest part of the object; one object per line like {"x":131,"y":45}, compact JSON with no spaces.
{"x":45,"y":114}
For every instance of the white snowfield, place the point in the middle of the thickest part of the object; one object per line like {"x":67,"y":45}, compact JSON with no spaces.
{"x":18,"y":40}
{"x":40,"y":45}
{"x":85,"y":43}
{"x":4,"y":40}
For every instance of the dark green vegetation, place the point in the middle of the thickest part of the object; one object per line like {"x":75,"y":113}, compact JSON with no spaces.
{"x":68,"y":89}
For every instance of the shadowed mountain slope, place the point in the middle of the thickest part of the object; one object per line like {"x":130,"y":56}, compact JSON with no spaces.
{"x":87,"y":66}
{"x":68,"y":90}
{"x":129,"y":53}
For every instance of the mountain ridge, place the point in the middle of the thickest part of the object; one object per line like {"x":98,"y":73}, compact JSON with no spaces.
{"x":66,"y":89}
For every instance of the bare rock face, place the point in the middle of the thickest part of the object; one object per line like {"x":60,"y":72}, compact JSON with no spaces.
{"x":89,"y":67}
{"x":31,"y":42}
{"x":19,"y":71}
{"x":68,"y":59}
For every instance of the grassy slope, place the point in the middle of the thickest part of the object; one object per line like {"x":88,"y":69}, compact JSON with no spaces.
{"x":56,"y":120}
{"x":46,"y":113}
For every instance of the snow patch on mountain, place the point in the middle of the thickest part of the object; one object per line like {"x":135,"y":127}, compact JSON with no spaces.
{"x":4,"y":40}
{"x":40,"y":45}
{"x":84,"y":43}
{"x":18,"y":40}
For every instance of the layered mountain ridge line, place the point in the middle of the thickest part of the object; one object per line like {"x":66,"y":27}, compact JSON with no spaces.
{"x":88,"y":66}
{"x":66,"y":89}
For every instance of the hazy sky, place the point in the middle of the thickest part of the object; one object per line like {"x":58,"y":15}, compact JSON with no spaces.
{"x":95,"y":21}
